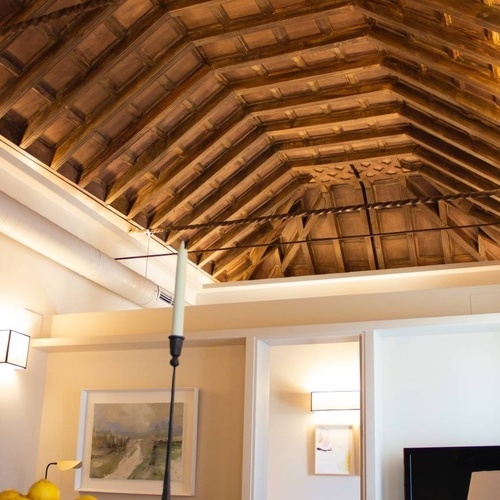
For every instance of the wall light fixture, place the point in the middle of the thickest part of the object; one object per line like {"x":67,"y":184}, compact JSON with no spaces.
{"x":335,"y":400}
{"x":14,"y":348}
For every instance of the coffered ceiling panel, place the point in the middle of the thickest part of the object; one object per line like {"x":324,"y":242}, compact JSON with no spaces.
{"x":276,"y":138}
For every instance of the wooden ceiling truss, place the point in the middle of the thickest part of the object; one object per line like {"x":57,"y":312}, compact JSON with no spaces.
{"x":277,"y":138}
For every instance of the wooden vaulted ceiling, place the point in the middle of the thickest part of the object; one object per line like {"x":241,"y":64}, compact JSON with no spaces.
{"x":275,"y":137}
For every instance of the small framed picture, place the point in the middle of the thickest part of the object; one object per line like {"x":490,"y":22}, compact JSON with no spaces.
{"x":334,"y":449}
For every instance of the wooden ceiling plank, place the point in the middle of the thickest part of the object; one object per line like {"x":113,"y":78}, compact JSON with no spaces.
{"x":113,"y":55}
{"x":373,"y":244}
{"x":53,"y":54}
{"x":486,"y":174}
{"x":335,"y":120}
{"x":177,"y":6}
{"x":339,"y":138}
{"x":337,"y":247}
{"x":330,"y":96}
{"x":203,"y":209}
{"x":452,"y":126}
{"x":333,"y":226}
{"x":213,"y":236}
{"x":210,"y":174}
{"x":452,"y":68}
{"x":345,"y":138}
{"x":411,"y":239}
{"x":246,"y":262}
{"x":265,"y":22}
{"x":29,"y":10}
{"x":302,"y":232}
{"x":279,"y":229}
{"x":445,"y":173}
{"x":261,"y":83}
{"x":295,"y":48}
{"x":151,"y":119}
{"x":104,"y":113}
{"x":350,"y":156}
{"x":408,"y":216}
{"x":256,"y":257}
{"x":488,"y":248}
{"x":431,"y":32}
{"x":476,"y":109}
{"x":254,"y":235}
{"x":468,"y":246}
{"x":472,"y":12}
{"x":414,"y":188}
{"x":445,"y":237}
{"x":157,"y":151}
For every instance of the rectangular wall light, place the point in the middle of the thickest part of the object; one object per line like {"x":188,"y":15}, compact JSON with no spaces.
{"x":335,"y":400}
{"x":14,"y":348}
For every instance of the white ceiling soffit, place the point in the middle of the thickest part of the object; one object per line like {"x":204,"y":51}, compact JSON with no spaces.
{"x":68,"y":214}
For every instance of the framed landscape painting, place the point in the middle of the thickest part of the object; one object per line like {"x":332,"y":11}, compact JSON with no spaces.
{"x":122,"y":441}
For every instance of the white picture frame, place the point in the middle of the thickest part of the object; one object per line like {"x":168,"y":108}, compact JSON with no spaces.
{"x":334,"y":450}
{"x":122,"y":439}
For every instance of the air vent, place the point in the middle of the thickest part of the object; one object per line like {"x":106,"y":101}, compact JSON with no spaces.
{"x":165,"y":296}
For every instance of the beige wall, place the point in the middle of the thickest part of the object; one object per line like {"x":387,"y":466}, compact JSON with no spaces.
{"x":217,"y":371}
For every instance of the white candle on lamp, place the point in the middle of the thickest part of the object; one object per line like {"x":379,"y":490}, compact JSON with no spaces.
{"x":180,"y":287}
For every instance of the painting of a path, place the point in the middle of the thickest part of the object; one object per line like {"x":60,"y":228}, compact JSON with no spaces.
{"x":129,"y":441}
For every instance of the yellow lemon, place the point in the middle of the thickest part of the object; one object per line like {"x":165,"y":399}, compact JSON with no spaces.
{"x":44,"y":490}
{"x":10,"y":495}
{"x":85,"y":497}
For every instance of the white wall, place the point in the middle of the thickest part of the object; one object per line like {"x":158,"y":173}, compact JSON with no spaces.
{"x":34,"y":282}
{"x":436,"y":390}
{"x":295,"y":371}
{"x":34,"y":287}
{"x":418,"y":369}
{"x":21,"y":397}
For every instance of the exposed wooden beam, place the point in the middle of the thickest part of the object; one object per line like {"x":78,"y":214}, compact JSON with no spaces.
{"x":233,"y":203}
{"x":231,"y":236}
{"x":451,"y":125}
{"x":241,"y":237}
{"x":430,"y":30}
{"x":166,"y":105}
{"x":266,"y":22}
{"x":450,"y":176}
{"x":406,"y":49}
{"x":54,"y":52}
{"x":472,"y":12}
{"x":109,"y":109}
{"x":476,"y":109}
{"x":212,"y":175}
{"x":151,"y":119}
{"x":483,"y":173}
{"x":113,"y":55}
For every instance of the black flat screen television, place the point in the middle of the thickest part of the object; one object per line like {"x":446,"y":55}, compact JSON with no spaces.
{"x":444,"y":473}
